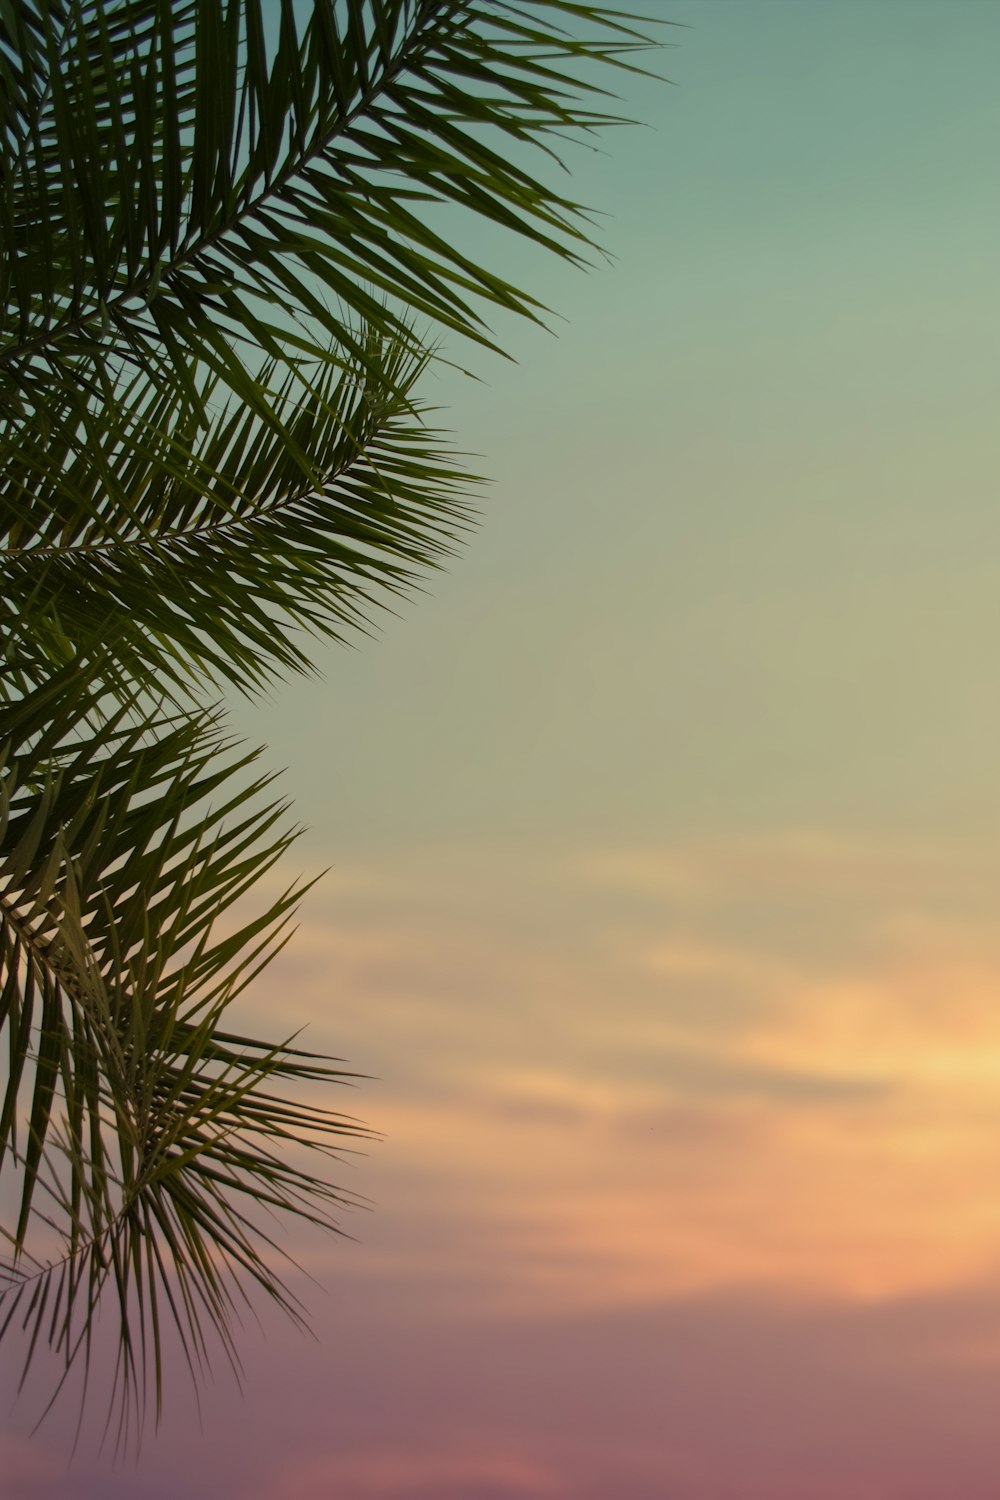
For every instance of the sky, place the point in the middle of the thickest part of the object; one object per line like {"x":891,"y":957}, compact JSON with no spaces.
{"x":664,"y":847}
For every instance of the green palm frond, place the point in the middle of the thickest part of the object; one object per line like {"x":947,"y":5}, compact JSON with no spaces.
{"x":146,"y":1136}
{"x":192,"y":182}
{"x":220,"y":228}
{"x":204,"y":551}
{"x":215,"y":234}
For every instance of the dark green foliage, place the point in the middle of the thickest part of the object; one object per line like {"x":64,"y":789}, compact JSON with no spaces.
{"x":216,"y":232}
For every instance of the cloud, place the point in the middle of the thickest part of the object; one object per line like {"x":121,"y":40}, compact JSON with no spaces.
{"x":417,"y":1474}
{"x":589,"y":1102}
{"x":791,"y":862}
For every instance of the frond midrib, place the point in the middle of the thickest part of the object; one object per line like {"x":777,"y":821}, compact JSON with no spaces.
{"x":259,"y":509}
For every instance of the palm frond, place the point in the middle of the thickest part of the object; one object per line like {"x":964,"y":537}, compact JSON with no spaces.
{"x":186,"y":550}
{"x":146,"y":1137}
{"x":188,"y":185}
{"x":220,"y":225}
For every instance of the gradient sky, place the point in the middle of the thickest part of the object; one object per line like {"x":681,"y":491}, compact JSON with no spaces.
{"x":665,"y":834}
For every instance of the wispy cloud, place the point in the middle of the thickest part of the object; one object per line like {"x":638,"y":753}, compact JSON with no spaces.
{"x":612,"y":1077}
{"x":418,"y":1474}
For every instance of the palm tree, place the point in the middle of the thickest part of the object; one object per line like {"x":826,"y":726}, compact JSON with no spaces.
{"x":218,"y":236}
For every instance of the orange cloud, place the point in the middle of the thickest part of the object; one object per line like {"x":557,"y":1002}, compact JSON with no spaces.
{"x":592,"y":1101}
{"x":416,"y":1474}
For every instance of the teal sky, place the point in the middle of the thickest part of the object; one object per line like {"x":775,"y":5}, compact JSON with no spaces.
{"x":739,"y":561}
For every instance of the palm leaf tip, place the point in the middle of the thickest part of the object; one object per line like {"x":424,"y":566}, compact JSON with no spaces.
{"x":224,"y":169}
{"x":146,"y":1137}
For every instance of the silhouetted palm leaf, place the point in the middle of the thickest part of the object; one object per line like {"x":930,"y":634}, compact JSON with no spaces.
{"x":145,"y":1132}
{"x":219,"y":229}
{"x":189,"y":184}
{"x":203,"y":552}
